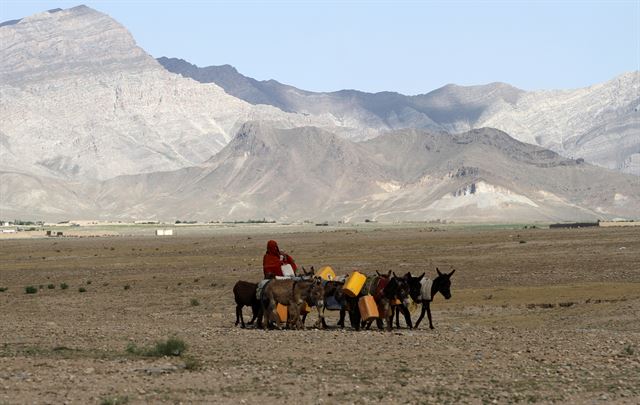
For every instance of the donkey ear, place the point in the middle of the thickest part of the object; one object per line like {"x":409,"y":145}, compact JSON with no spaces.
{"x":394,"y":275}
{"x":452,"y":271}
{"x":312,"y":270}
{"x":378,"y":273}
{"x":389,"y":273}
{"x":421,"y":277}
{"x":438,"y":270}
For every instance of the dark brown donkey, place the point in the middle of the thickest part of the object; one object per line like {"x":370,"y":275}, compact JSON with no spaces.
{"x":244,"y":293}
{"x":386,"y":290}
{"x":422,"y":290}
{"x":293,"y":293}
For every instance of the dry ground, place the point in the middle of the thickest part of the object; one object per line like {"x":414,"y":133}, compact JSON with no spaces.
{"x":536,"y":316}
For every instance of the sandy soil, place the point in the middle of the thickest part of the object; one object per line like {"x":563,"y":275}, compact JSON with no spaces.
{"x":536,"y":316}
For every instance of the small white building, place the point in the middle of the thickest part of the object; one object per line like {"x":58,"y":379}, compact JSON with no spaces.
{"x":164,"y":232}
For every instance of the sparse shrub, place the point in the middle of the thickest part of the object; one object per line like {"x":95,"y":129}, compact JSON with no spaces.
{"x":41,"y":286}
{"x":115,"y":400}
{"x":88,"y":282}
{"x":628,"y":350}
{"x":196,"y":280}
{"x":192,"y":364}
{"x":179,"y":284}
{"x":82,"y":289}
{"x":126,"y":287}
{"x":523,"y":241}
{"x":30,"y":290}
{"x":170,"y":347}
{"x":3,"y":289}
{"x":132,"y":348}
{"x":194,"y":302}
{"x":51,"y":286}
{"x":64,"y":286}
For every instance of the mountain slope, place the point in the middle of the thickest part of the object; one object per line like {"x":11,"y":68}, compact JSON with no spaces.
{"x":80,"y":100}
{"x":482,"y":175}
{"x":600,"y":123}
{"x":308,"y":173}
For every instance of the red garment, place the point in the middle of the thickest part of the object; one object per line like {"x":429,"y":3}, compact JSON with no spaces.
{"x":274,"y":259}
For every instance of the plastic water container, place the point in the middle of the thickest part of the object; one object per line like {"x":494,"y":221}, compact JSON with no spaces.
{"x":354,"y":284}
{"x":287,"y":270}
{"x":327,"y":273}
{"x":368,"y":308}
{"x":305,"y":309}
{"x":282,"y":311}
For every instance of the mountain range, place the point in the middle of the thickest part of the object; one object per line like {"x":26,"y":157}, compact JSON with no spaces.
{"x":600,"y":124}
{"x":94,"y":127}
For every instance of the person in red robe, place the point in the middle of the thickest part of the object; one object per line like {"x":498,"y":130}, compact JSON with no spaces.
{"x":274,"y":259}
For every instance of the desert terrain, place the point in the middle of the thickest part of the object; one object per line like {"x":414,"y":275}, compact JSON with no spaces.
{"x":537,"y":316}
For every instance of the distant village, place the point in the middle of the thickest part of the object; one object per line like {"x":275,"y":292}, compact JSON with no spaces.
{"x":58,"y":228}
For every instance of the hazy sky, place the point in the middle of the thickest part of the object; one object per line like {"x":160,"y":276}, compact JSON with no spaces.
{"x":411,"y":47}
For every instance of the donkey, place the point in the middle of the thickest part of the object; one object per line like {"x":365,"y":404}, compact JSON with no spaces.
{"x":423,"y":291}
{"x":387,"y":290}
{"x":333,"y":297}
{"x":293,"y":293}
{"x":244,"y":293}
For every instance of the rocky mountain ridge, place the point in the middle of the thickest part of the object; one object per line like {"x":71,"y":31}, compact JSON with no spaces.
{"x":600,"y":123}
{"x":80,"y":101}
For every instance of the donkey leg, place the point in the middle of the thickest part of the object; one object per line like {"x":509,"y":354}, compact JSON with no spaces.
{"x":238,"y":314}
{"x":270,"y":315}
{"x":254,"y":313}
{"x":429,"y":314}
{"x":324,"y":321}
{"x":407,"y":316}
{"x":396,"y":312}
{"x":424,"y":309}
{"x":265,"y":318}
{"x":341,"y":320}
{"x":389,"y":320}
{"x":320,"y":323}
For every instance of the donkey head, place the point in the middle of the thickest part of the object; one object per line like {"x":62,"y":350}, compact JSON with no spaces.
{"x":315,"y":293}
{"x":399,"y":287}
{"x":442,"y":283}
{"x":307,"y":274}
{"x":383,"y":275}
{"x":414,"y":285}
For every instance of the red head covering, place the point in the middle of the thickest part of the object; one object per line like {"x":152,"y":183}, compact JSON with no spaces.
{"x":272,"y":248}
{"x":271,"y":261}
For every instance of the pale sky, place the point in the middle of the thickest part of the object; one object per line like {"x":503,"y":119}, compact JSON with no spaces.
{"x":406,"y":46}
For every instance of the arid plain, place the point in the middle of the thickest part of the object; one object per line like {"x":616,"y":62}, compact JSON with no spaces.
{"x":537,"y":316}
